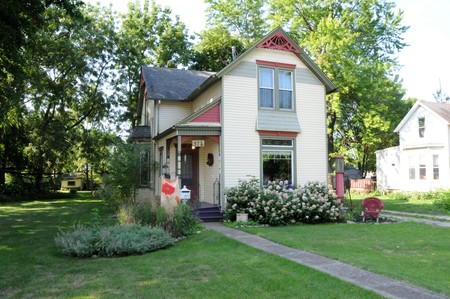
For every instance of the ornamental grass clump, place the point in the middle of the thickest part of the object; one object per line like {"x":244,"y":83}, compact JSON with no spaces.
{"x":279,"y":204}
{"x":108,"y":241}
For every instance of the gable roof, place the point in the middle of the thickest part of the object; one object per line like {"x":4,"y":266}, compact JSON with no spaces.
{"x":172,"y":84}
{"x":440,"y":110}
{"x":278,"y":39}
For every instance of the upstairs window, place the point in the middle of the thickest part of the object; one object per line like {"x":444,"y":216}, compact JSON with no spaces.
{"x":266,"y":88}
{"x":421,"y":127}
{"x":276,"y":86}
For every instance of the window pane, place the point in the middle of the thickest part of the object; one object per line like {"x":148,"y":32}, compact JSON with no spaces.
{"x":421,"y":127}
{"x":266,"y":78}
{"x":277,"y":166}
{"x":266,"y":98}
{"x":285,"y":99}
{"x":412,"y":167}
{"x":285,"y":78}
{"x":422,"y":168}
{"x":277,"y":142}
{"x":436,"y":167}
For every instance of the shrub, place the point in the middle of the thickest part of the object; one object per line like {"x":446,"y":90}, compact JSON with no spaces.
{"x":442,"y":199}
{"x":108,"y":241}
{"x":180,"y":223}
{"x":239,"y":197}
{"x":278,"y":204}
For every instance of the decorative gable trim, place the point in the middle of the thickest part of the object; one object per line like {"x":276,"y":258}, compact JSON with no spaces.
{"x":275,"y":64}
{"x":278,"y":41}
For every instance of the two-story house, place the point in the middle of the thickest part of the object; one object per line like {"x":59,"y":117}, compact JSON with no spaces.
{"x":421,"y":161}
{"x":263,"y":115}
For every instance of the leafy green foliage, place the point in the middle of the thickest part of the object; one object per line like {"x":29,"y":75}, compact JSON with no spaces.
{"x":178,"y":224}
{"x":108,"y":241}
{"x":122,"y":180}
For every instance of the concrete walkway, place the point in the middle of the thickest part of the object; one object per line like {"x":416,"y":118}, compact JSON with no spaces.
{"x":379,"y":284}
{"x":444,"y":221}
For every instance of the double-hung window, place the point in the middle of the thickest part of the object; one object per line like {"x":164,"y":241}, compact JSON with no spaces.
{"x":421,"y":127}
{"x":266,"y":88}
{"x":276,"y":86}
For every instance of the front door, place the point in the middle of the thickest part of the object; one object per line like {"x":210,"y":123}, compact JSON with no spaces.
{"x":189,"y":171}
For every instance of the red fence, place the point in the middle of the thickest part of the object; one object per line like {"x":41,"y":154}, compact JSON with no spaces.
{"x":363,"y":185}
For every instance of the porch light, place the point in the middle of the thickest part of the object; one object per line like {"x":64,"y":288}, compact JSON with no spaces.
{"x":193,"y":147}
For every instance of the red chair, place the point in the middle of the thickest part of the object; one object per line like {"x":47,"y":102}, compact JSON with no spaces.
{"x":371,"y":206}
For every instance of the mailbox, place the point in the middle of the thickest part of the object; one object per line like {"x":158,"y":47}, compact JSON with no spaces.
{"x":185,"y":194}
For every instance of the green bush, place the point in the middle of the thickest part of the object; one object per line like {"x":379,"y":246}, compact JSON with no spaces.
{"x":279,"y":204}
{"x":239,"y":197}
{"x":442,"y":199}
{"x":180,"y":223}
{"x":108,"y":241}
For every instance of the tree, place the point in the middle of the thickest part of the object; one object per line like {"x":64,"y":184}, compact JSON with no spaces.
{"x":19,"y":21}
{"x":440,"y":96}
{"x":354,"y":43}
{"x":243,"y":18}
{"x":147,"y":36}
{"x":67,"y":67}
{"x":214,"y":51}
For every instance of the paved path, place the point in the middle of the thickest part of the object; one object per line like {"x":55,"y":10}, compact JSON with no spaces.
{"x":413,"y":217}
{"x":379,"y":284}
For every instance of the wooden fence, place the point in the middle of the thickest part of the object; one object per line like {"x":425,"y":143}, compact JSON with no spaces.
{"x":363,"y":185}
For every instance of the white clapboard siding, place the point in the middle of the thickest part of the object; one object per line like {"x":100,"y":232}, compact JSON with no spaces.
{"x":241,"y":150}
{"x":208,"y":174}
{"x":170,"y":112}
{"x":207,"y":96}
{"x":312,"y":150}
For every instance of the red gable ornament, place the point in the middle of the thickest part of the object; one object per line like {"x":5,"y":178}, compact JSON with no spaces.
{"x":278,"y":42}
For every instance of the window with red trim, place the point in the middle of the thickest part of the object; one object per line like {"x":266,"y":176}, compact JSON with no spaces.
{"x":276,"y":88}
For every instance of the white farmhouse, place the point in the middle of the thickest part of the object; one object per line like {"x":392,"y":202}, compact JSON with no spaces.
{"x":421,"y":161}
{"x":263,"y":115}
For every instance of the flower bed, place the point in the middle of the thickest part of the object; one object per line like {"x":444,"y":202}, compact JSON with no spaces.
{"x":278,"y":204}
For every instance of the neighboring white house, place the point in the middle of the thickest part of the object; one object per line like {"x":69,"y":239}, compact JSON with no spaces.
{"x":263,"y":115}
{"x":421,"y":161}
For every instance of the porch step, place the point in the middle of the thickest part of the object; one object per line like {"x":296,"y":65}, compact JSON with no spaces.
{"x":209,"y":214}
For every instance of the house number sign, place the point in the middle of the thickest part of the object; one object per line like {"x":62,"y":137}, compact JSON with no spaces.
{"x":198,"y":143}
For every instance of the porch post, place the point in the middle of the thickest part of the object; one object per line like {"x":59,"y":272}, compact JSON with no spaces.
{"x":179,"y":156}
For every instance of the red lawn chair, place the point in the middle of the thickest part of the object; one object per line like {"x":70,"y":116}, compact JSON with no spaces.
{"x":371,"y":206}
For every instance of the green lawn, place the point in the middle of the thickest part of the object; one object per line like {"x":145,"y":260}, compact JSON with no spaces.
{"x":408,"y":251}
{"x":411,"y":205}
{"x":206,"y":265}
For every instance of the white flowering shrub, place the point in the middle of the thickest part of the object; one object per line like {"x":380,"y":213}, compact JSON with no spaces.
{"x":279,"y":204}
{"x":239,"y":197}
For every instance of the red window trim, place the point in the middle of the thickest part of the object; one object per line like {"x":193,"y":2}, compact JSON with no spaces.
{"x":276,"y":64}
{"x":277,"y":134}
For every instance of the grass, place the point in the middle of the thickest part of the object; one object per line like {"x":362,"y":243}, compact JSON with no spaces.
{"x":411,"y":204}
{"x":408,"y":251}
{"x":206,"y":265}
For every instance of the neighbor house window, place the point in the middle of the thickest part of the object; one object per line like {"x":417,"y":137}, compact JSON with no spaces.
{"x":436,"y":167}
{"x":277,"y":160}
{"x":276,"y":88}
{"x":412,"y":168}
{"x":422,"y":168}
{"x":421,"y":127}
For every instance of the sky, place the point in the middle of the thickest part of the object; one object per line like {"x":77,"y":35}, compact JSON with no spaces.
{"x":425,"y":62}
